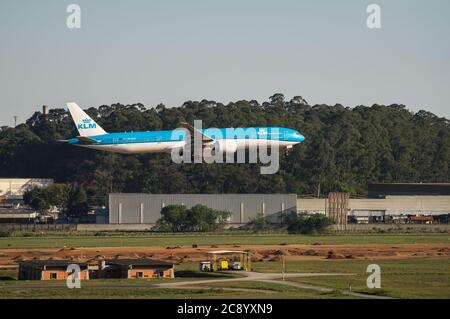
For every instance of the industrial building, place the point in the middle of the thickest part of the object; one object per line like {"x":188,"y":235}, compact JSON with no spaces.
{"x":17,"y":215}
{"x":392,"y":203}
{"x":146,"y":208}
{"x":11,"y":199}
{"x":395,"y":209}
{"x":382,"y":207}
{"x":12,"y":189}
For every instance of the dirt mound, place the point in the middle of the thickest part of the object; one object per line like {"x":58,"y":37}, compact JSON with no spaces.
{"x":310,"y":252}
{"x":255,"y":257}
{"x":259,"y":253}
{"x":332,"y":255}
{"x":278,"y":252}
{"x":388,"y":253}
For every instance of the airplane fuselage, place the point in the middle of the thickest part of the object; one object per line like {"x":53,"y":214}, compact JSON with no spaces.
{"x":165,"y":141}
{"x":222,"y":140}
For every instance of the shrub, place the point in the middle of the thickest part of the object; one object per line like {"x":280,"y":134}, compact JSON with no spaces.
{"x":259,"y":223}
{"x":307,"y":224}
{"x":5,"y":233}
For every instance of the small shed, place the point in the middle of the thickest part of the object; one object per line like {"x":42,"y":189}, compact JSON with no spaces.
{"x":137,"y":268}
{"x":421,"y":219}
{"x":49,"y":270}
{"x":227,"y":260}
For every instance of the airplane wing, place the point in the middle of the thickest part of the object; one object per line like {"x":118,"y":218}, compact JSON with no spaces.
{"x":193,"y":131}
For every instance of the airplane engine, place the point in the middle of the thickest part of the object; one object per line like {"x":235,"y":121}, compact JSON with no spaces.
{"x":222,"y":146}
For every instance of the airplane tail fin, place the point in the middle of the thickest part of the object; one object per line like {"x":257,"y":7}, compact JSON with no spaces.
{"x":86,"y":126}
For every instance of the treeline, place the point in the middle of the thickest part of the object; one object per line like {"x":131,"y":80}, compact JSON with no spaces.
{"x":199,"y":218}
{"x":345,"y":148}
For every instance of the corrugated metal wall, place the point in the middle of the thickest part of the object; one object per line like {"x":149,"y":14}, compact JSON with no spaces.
{"x":146,"y":208}
{"x":391,"y":205}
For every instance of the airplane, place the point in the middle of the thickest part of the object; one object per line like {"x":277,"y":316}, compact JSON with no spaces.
{"x":94,"y":137}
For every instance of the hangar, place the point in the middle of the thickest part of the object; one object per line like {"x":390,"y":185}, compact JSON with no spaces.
{"x":146,"y":208}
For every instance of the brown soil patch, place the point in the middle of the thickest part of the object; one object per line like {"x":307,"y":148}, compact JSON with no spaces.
{"x":259,"y":252}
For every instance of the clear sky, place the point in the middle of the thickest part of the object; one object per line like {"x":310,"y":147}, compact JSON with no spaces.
{"x":171,"y":51}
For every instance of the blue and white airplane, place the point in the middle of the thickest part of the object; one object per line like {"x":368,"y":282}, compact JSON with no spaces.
{"x":94,"y":137}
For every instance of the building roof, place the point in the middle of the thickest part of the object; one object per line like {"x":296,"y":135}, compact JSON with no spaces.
{"x":383,"y":189}
{"x":52,"y":263}
{"x":17,"y":213}
{"x":218,"y":252}
{"x":137,"y":262}
{"x":421,"y":218}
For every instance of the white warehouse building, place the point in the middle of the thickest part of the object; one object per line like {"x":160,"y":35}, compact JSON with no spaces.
{"x":366,"y":210}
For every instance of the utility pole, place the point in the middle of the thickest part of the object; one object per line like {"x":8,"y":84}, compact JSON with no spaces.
{"x":15,"y":120}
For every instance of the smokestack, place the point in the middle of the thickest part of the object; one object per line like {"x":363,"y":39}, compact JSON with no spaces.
{"x":45,"y":110}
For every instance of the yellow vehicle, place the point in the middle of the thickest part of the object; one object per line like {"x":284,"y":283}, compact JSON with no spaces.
{"x":224,"y":265}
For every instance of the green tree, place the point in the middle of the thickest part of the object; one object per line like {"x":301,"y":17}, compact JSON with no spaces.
{"x":175,"y":216}
{"x":77,"y":204}
{"x":199,"y":218}
{"x":38,"y":199}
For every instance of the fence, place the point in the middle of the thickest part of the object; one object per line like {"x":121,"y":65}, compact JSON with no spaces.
{"x":38,"y":227}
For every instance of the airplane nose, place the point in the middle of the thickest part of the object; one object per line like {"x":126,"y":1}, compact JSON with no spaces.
{"x":299,"y":137}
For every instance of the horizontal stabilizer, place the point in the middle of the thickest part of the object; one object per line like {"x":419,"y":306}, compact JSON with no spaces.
{"x":87,"y":139}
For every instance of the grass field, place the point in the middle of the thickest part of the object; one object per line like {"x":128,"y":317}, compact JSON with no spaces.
{"x":205,"y":239}
{"x":409,"y":278}
{"x":155,"y":293}
{"x":417,"y":277}
{"x":412,"y":278}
